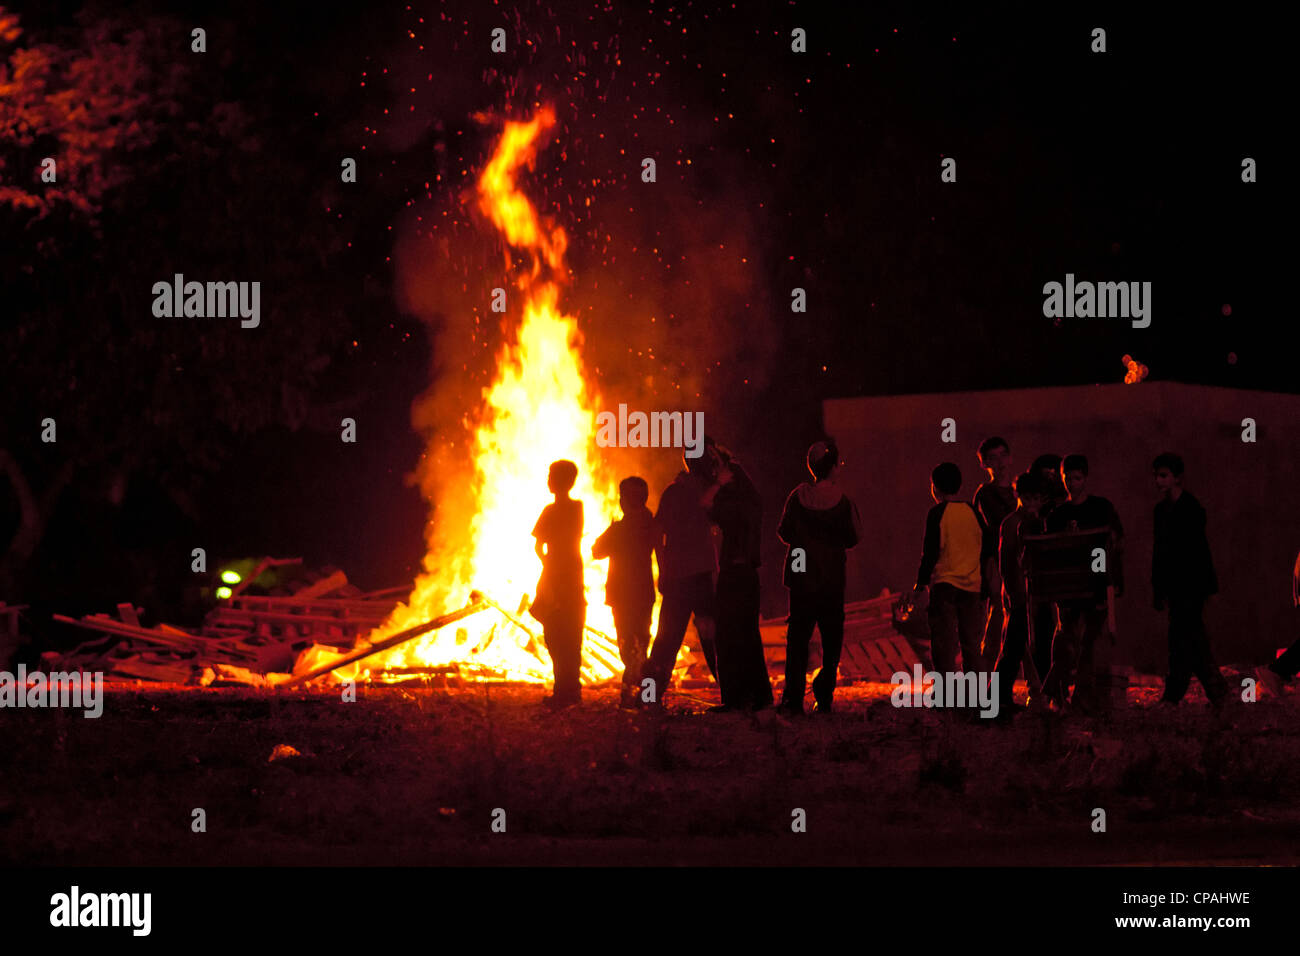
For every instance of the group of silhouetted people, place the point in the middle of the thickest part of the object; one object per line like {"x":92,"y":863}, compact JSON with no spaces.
{"x":718,"y":588}
{"x":973,"y":565}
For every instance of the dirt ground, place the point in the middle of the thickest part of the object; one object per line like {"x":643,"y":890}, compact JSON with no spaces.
{"x":413,"y":775}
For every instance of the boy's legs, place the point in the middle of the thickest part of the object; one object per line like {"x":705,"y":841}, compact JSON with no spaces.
{"x":830,"y":623}
{"x":728,"y":638}
{"x":970,"y":628}
{"x":1092,"y":674}
{"x":993,"y":627}
{"x":704,"y":606}
{"x":1180,"y":667}
{"x":1197,"y":657}
{"x":756,"y":684}
{"x":1066,"y":644}
{"x":943,"y":628}
{"x":1045,"y":625}
{"x":739,"y":642}
{"x":1015,"y":636}
{"x":674,"y":616}
{"x":632,"y":625}
{"x":563,"y":637}
{"x":798,"y":634}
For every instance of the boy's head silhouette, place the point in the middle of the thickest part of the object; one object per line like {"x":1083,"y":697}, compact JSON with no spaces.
{"x":1048,"y":467}
{"x":1030,"y":490}
{"x":707,"y":465}
{"x":1074,"y":474}
{"x":632,"y":493}
{"x":823,"y":459}
{"x":562,"y":476}
{"x":945,"y":480}
{"x":995,"y":457}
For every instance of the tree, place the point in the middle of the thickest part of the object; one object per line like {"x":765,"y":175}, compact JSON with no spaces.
{"x":163,"y":166}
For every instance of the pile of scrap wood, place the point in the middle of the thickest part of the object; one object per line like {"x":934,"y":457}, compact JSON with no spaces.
{"x":241,"y":640}
{"x":323,"y":627}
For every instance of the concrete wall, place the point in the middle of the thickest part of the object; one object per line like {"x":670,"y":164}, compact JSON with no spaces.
{"x":1250,"y":491}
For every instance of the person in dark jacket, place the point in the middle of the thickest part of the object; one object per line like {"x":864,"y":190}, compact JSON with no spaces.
{"x":1043,"y":613}
{"x":1183,"y":578}
{"x":687,"y":565}
{"x":1081,"y":645}
{"x":629,"y":586}
{"x":735,"y":507}
{"x":993,"y":501}
{"x":818,"y":525}
{"x":1031,"y":495}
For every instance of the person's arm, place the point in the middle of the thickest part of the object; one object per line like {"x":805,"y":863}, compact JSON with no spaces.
{"x":1211,"y":579}
{"x":1295,"y":582}
{"x":724,"y":478}
{"x":539,"y":532}
{"x":855,"y":526}
{"x":602,"y":546}
{"x":929,"y":547}
{"x":786,"y":529}
{"x":988,"y":534}
{"x":1006,"y":555}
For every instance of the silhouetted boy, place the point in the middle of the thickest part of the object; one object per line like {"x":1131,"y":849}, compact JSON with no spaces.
{"x":735,"y":507}
{"x":1182,"y":576}
{"x":1083,"y":621}
{"x":687,"y":563}
{"x":1275,"y":676}
{"x":561,"y":604}
{"x":1048,"y":469}
{"x":1015,"y":599}
{"x":993,"y":501}
{"x":629,"y":586}
{"x":819,"y":523}
{"x":950,"y":568}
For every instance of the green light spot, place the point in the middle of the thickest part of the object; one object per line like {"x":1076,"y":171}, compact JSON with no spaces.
{"x":223,"y":592}
{"x":231,"y":577}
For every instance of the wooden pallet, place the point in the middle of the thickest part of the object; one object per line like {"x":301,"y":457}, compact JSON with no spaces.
{"x":873,"y":650}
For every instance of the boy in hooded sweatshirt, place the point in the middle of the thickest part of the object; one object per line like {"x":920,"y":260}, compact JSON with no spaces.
{"x":819,"y":524}
{"x":629,"y":586}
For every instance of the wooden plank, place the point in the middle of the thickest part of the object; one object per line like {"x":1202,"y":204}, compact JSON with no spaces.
{"x":127,"y":613}
{"x":324,"y":586}
{"x":879,"y":664}
{"x":903,"y":651}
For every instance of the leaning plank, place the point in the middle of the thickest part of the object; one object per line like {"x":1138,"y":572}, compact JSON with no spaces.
{"x":96,"y":622}
{"x":476,"y":604}
{"x":322,"y":587}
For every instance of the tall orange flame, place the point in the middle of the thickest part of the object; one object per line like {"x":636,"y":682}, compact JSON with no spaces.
{"x":538,"y":409}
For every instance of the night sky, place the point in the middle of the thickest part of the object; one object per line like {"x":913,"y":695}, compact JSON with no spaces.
{"x":775,"y":170}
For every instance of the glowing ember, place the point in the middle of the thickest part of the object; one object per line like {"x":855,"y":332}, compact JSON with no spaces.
{"x":538,"y":409}
{"x":1136,"y":371}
